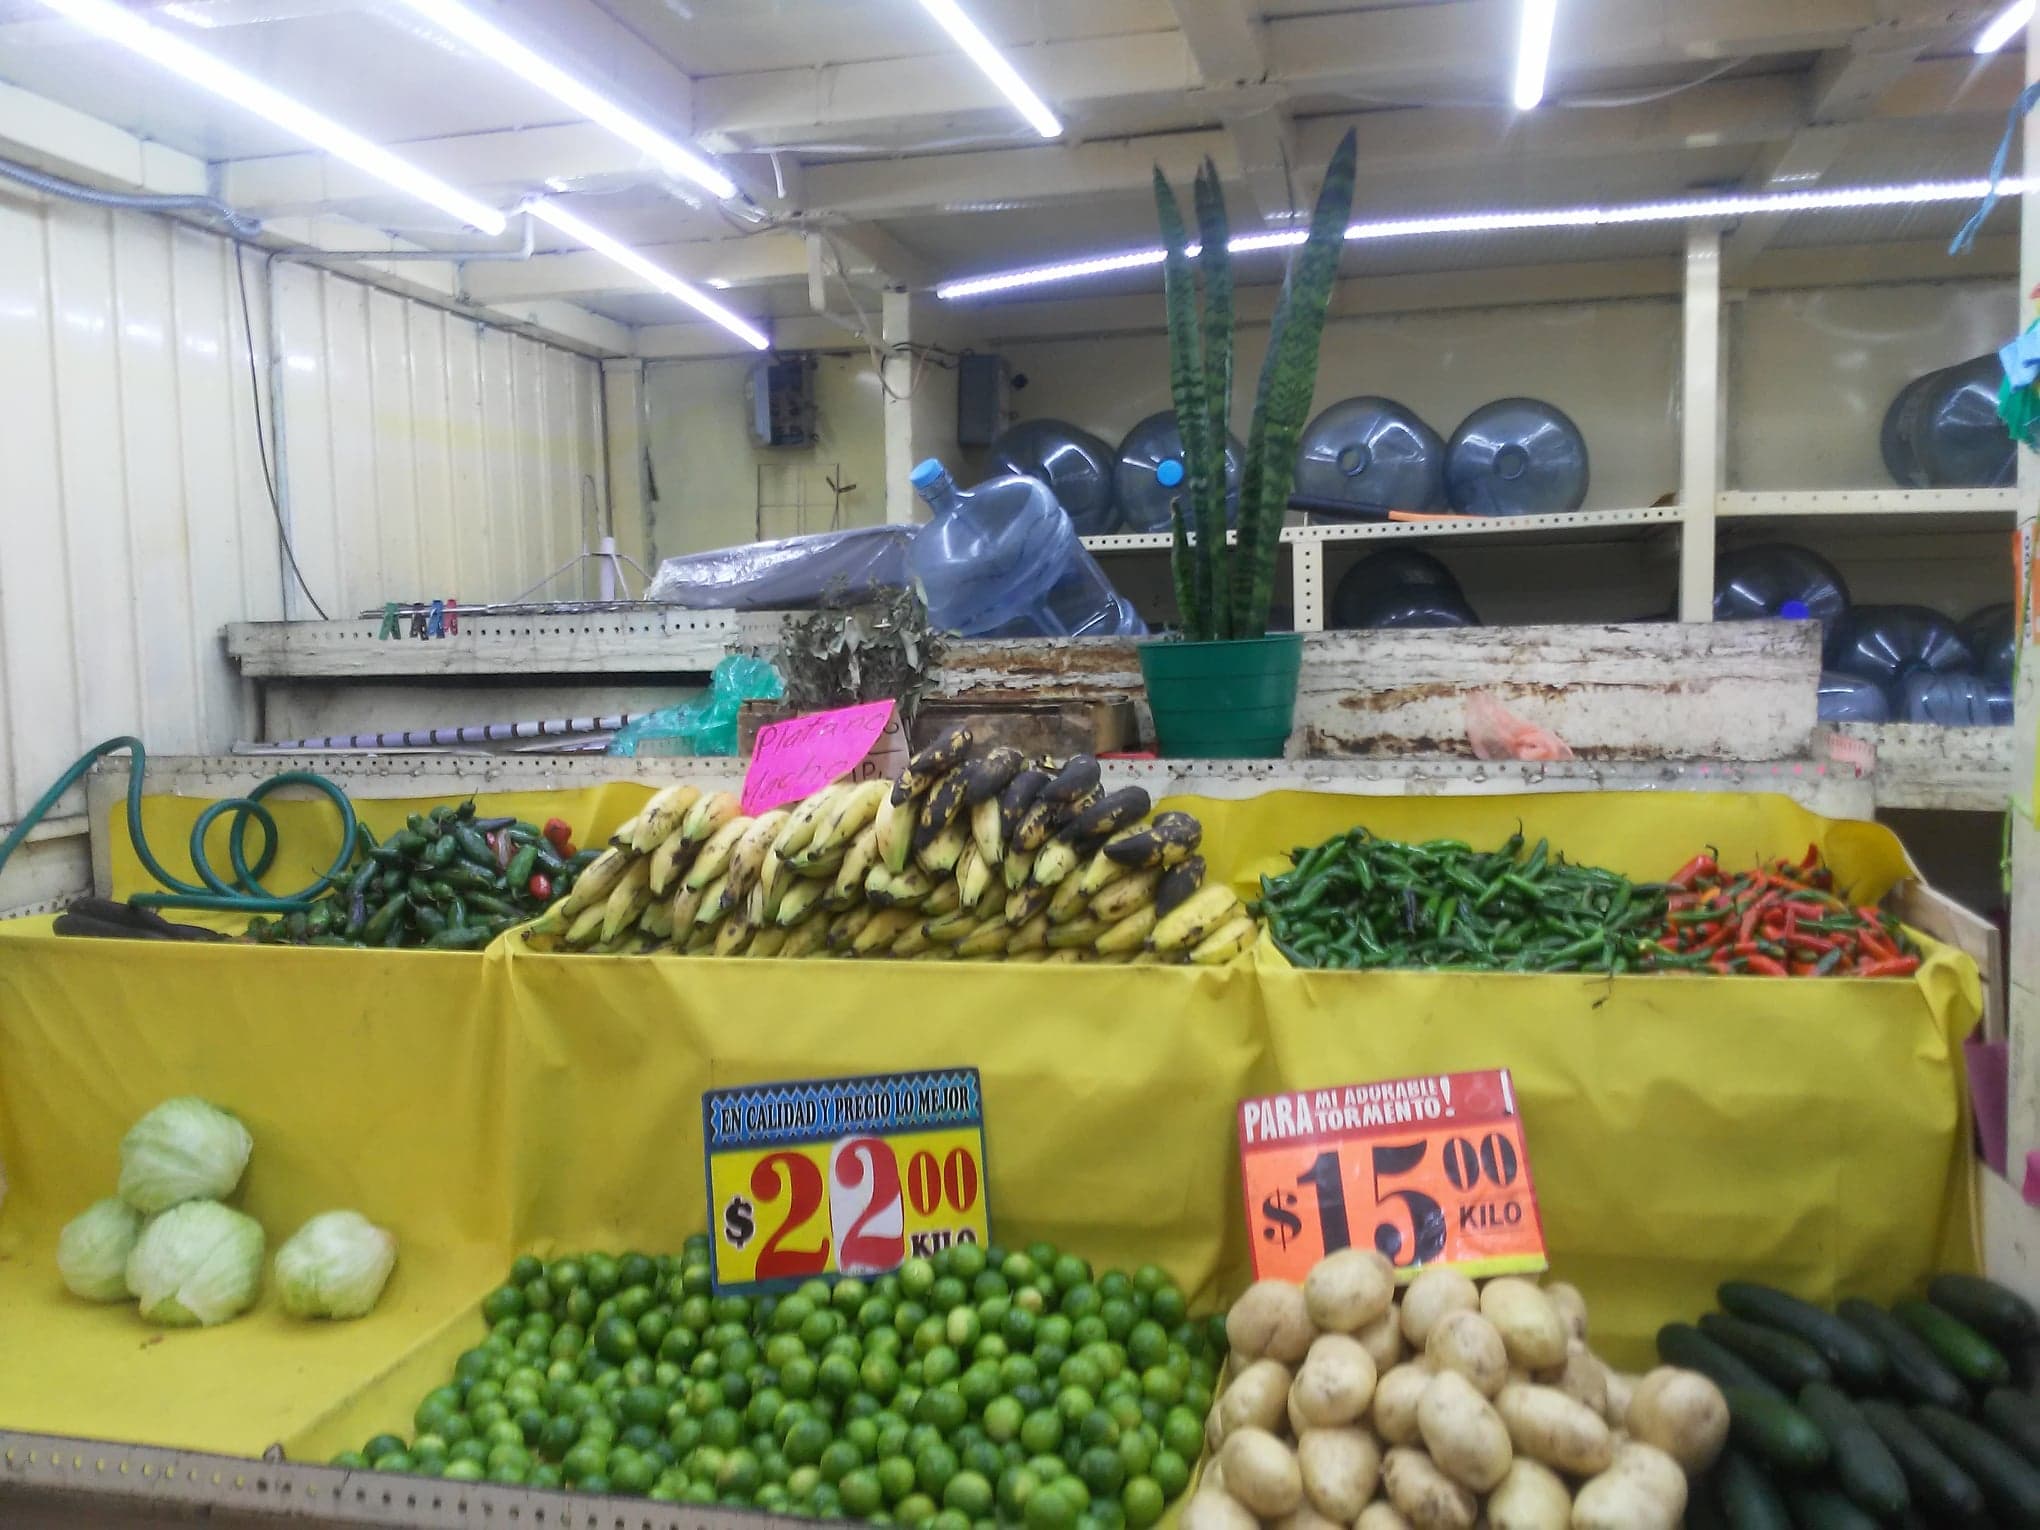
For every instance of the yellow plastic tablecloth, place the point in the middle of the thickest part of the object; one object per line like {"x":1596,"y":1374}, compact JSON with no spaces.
{"x":1681,"y":1128}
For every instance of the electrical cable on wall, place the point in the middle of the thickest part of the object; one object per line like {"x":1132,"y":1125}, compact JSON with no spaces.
{"x":262,"y":440}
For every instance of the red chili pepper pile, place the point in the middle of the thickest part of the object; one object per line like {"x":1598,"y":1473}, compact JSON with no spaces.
{"x":1779,"y":920}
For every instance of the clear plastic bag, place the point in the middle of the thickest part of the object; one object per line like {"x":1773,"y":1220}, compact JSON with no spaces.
{"x":708,"y":724}
{"x":834,"y":568}
{"x":1496,"y":733}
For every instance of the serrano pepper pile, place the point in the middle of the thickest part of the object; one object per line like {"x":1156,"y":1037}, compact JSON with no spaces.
{"x":1781,"y":919}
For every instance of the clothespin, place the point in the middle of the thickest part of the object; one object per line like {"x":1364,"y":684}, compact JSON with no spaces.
{"x":452,"y":616}
{"x":390,"y":624}
{"x":436,"y":626}
{"x":417,"y":621}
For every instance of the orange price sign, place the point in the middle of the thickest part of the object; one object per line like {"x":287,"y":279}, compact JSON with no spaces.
{"x":1429,"y":1170}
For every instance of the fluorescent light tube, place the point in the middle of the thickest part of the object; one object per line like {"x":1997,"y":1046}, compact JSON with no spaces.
{"x":1828,"y":199}
{"x":490,"y":40}
{"x":223,"y":80}
{"x":1533,"y":51}
{"x":963,"y":31}
{"x":2007,"y":24}
{"x":606,"y":244}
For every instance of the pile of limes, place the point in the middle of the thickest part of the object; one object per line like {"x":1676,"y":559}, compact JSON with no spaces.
{"x":976,"y":1388}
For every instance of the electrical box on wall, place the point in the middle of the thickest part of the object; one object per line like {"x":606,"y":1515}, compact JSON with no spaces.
{"x":781,"y":394}
{"x":982,"y":386}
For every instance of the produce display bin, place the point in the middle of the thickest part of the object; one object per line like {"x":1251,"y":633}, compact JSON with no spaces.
{"x":1813,"y":1134}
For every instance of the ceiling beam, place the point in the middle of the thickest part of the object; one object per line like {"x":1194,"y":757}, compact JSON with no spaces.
{"x":801,"y":332}
{"x":1435,"y":140}
{"x":735,"y":263}
{"x":1846,"y":85}
{"x":1400,"y":53}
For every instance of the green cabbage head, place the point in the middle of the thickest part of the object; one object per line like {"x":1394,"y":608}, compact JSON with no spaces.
{"x":334,"y":1266}
{"x":93,"y":1249}
{"x":197,"y":1264}
{"x":183,"y":1150}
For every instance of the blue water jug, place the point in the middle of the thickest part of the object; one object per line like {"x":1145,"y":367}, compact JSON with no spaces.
{"x":1152,"y":472}
{"x":1002,"y":560}
{"x":1992,"y":636}
{"x":1942,"y":430}
{"x":1955,"y":698}
{"x":1370,"y":454}
{"x":1891,"y":644}
{"x":1845,"y":698}
{"x":1075,"y":464}
{"x":1516,"y":456}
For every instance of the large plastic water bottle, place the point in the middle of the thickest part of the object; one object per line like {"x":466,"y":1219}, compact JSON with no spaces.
{"x":1516,"y":456}
{"x":1370,"y":454}
{"x":1002,"y":560}
{"x":1075,"y":464}
{"x":1151,"y":473}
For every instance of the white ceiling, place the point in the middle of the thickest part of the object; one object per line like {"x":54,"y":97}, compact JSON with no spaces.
{"x":857,"y":120}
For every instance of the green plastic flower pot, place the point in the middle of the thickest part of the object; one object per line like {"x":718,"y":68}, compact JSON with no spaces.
{"x":1226,"y":700}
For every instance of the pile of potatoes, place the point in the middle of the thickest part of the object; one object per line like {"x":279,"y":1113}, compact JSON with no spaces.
{"x":1459,"y":1405}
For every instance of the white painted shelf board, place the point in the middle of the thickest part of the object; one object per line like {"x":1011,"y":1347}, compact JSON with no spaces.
{"x":1576,"y":523}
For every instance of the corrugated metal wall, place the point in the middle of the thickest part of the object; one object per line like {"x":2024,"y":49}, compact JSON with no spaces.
{"x":428,"y":455}
{"x":425,"y":455}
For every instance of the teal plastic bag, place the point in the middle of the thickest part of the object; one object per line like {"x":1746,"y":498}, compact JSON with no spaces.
{"x":708,"y":724}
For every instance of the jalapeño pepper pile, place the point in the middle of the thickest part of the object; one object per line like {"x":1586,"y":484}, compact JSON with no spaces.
{"x":1360,"y":902}
{"x":448,"y":881}
{"x":1782,"y":919}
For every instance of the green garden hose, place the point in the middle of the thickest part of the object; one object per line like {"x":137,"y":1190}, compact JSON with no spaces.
{"x":245,"y":894}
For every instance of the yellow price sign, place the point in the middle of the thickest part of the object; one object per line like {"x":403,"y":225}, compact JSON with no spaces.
{"x":842,"y":1176}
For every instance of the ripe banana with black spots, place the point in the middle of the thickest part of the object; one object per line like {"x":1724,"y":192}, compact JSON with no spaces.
{"x":1055,"y":863}
{"x":987,"y":774}
{"x":1125,"y":937}
{"x":628,"y":899}
{"x":1227,"y":941}
{"x":948,"y":929}
{"x":1178,"y":883}
{"x":681,"y":912}
{"x":857,"y":809}
{"x":1112,"y":812}
{"x":708,"y":815}
{"x":1030,"y":935}
{"x":1165,"y":840}
{"x":1073,"y":781}
{"x":670,"y":860}
{"x":800,"y":828}
{"x":732,"y":936}
{"x":939,"y":809}
{"x":895,"y":824}
{"x":1099,"y":873}
{"x":799,"y":901}
{"x":974,"y":877}
{"x":658,"y":818}
{"x":946,"y":898}
{"x":807,"y":937}
{"x":984,"y":832}
{"x":587,"y":925}
{"x":713,"y":907}
{"x":594,"y":885}
{"x":657,"y":919}
{"x":1066,"y":900}
{"x":1018,"y":797}
{"x":911,"y":941}
{"x":1023,"y":903}
{"x":767,"y":940}
{"x":907,"y":889}
{"x":882,"y":929}
{"x":988,"y":939}
{"x":748,"y":857}
{"x":942,"y":852}
{"x":713,"y":860}
{"x":858,"y":861}
{"x":1126,"y":895}
{"x":1078,"y":934}
{"x":1196,"y":917}
{"x":847,"y":926}
{"x":930,"y":764}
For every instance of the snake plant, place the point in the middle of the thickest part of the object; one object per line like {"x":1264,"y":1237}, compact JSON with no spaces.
{"x":1223,"y":591}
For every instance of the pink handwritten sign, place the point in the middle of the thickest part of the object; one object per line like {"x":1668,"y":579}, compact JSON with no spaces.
{"x":802,"y":755}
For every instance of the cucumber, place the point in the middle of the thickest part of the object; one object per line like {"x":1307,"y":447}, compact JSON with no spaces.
{"x":1959,"y":1347}
{"x":1750,"y":1500}
{"x":1784,"y":1358}
{"x":1684,"y":1345}
{"x":1703,"y":1506}
{"x":1857,"y":1362}
{"x":1773,"y":1429}
{"x":2014,"y":1418}
{"x":1862,"y":1466}
{"x":2010,"y":1486}
{"x":1825,"y":1509}
{"x":1943,"y":1492}
{"x":1915,"y":1368}
{"x":2002,"y":1316}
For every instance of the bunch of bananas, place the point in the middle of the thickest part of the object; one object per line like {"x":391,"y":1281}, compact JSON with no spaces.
{"x":970,"y":854}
